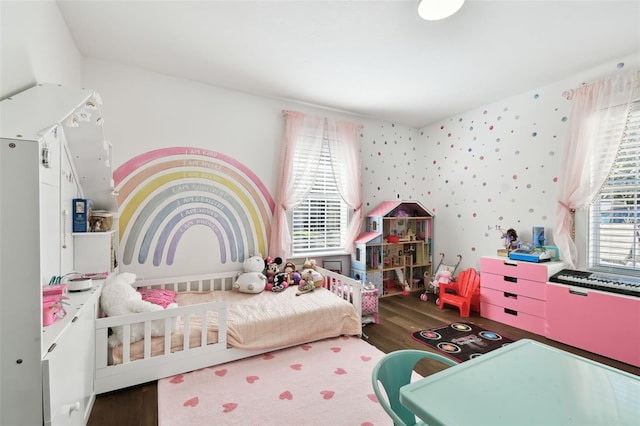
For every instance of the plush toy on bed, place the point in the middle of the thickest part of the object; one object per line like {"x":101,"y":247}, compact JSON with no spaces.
{"x":306,"y":282}
{"x":271,"y":269}
{"x":310,"y":279}
{"x":280,"y":282}
{"x":252,"y":280}
{"x":293,"y":276}
{"x":119,"y":297}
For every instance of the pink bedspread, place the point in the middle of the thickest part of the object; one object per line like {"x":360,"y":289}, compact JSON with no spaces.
{"x":263,"y":321}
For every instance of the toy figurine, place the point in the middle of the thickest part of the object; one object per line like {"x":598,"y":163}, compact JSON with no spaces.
{"x":510,"y":239}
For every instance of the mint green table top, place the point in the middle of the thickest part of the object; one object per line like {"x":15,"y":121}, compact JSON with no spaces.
{"x":526,"y":383}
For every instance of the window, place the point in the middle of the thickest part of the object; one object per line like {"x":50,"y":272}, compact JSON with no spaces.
{"x":614,"y":217}
{"x":319,"y":222}
{"x":318,"y":208}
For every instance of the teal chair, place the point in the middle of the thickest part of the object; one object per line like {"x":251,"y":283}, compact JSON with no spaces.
{"x":394,"y":371}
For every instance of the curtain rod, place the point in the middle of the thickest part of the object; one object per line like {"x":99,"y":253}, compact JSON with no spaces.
{"x":568,"y":94}
{"x":286,"y":111}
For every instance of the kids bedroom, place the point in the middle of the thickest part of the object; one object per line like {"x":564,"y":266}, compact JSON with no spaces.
{"x":319,"y":212}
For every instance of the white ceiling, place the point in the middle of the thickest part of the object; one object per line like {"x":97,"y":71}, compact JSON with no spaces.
{"x":376,"y":59}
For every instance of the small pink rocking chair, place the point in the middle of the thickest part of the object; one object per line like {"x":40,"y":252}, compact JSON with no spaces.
{"x":460,"y":292}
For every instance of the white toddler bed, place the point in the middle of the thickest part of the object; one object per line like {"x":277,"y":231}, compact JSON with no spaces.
{"x":216,"y":325}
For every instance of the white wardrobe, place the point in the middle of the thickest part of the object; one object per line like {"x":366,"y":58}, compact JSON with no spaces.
{"x":52,"y":150}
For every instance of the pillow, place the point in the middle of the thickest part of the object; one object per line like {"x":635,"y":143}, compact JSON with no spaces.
{"x":158,"y":296}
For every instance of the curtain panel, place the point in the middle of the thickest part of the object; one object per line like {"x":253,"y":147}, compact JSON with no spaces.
{"x":588,"y":156}
{"x":304,"y":135}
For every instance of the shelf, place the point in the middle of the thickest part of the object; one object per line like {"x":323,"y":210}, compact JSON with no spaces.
{"x":385,"y":244}
{"x":96,"y":234}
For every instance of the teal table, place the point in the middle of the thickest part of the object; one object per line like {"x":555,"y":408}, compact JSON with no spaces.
{"x":526,"y":383}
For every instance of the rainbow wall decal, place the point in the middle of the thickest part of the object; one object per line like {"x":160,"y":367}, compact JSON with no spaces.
{"x":164,"y":194}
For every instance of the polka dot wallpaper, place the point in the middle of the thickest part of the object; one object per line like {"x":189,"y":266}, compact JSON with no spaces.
{"x":495,"y":167}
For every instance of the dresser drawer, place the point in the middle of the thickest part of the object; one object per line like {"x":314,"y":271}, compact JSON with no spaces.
{"x":509,"y":284}
{"x":515,"y":269}
{"x":514,"y":318}
{"x":513,"y":302}
{"x":520,"y":269}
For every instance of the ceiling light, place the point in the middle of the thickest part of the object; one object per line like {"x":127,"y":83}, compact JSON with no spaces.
{"x":433,"y":10}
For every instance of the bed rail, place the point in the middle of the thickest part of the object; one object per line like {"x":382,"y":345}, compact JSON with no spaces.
{"x":342,"y":286}
{"x":222,"y":281}
{"x":109,"y":377}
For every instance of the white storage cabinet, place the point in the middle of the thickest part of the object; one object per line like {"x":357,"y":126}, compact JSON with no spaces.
{"x":47,"y":372}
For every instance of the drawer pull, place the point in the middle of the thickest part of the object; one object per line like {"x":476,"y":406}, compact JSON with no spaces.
{"x":511,"y":279}
{"x":510,"y":312}
{"x":578,"y":293}
{"x":510,"y":295}
{"x":510,"y":264}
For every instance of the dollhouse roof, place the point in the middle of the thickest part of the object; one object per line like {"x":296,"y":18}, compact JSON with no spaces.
{"x":365,"y":237}
{"x":412,"y":208}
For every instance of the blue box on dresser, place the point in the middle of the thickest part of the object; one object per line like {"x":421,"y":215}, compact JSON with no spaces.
{"x":80,"y":215}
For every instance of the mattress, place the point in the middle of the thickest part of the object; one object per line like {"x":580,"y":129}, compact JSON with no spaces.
{"x":261,"y":321}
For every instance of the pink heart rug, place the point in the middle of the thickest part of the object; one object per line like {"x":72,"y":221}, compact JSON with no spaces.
{"x":319,"y":383}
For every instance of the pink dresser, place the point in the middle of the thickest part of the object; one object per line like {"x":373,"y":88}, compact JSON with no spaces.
{"x":514,"y":292}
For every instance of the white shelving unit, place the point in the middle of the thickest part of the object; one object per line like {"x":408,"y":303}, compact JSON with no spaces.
{"x":95,"y":252}
{"x":47,"y":372}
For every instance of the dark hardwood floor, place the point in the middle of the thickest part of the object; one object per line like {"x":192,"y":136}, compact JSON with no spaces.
{"x":399,"y":317}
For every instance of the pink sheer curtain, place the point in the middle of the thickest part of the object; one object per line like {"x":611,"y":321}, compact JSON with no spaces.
{"x":589,"y":152}
{"x":345,"y":151}
{"x":305,"y":134}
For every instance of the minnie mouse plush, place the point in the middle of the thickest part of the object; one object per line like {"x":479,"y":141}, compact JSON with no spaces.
{"x":271,"y":269}
{"x":280,"y":282}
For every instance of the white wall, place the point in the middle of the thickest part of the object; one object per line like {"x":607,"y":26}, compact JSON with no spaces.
{"x":145,"y":111}
{"x":497,"y":165}
{"x":35,"y":46}
{"x":476,"y":170}
{"x":500,"y":164}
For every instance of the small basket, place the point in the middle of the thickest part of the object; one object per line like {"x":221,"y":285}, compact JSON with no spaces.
{"x":101,"y":221}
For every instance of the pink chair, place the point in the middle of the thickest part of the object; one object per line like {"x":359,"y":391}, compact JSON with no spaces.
{"x":459,"y":293}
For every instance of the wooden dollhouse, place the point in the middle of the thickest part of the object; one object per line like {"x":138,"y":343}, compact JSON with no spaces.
{"x":394,"y":252}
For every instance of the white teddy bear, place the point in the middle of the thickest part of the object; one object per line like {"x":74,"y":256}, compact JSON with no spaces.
{"x":252,"y":280}
{"x":119,"y":297}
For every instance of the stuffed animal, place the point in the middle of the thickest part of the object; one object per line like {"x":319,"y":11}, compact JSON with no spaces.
{"x":119,"y":297}
{"x":307,"y":283}
{"x":293,"y":276}
{"x":271,"y":269}
{"x":309,"y":274}
{"x":443,"y":277}
{"x":251,"y":280}
{"x":280,"y":282}
{"x":309,"y":264}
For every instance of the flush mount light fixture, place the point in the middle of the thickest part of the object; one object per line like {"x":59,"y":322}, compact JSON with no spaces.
{"x":433,"y":10}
